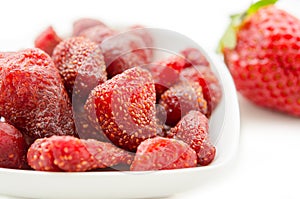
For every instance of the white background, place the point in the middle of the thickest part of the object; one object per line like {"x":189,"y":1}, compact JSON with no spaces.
{"x":267,"y":164}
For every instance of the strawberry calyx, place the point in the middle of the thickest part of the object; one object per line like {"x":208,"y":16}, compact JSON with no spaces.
{"x":229,"y":39}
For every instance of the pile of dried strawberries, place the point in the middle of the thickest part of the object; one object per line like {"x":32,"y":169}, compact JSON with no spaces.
{"x":95,"y":100}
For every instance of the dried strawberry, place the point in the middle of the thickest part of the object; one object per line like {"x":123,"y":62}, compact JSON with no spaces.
{"x":84,"y":127}
{"x":98,"y":33}
{"x":208,"y":81}
{"x":65,"y":153}
{"x":81,"y":65}
{"x":13,"y":147}
{"x":194,"y":57}
{"x":124,"y":51}
{"x":261,"y":50}
{"x":124,"y":108}
{"x":193,"y":130}
{"x":33,"y":97}
{"x":182,"y":98}
{"x":107,"y":154}
{"x":163,"y":153}
{"x":40,"y":157}
{"x":146,"y":36}
{"x":85,"y":23}
{"x":165,"y":73}
{"x":47,"y":40}
{"x":143,"y":33}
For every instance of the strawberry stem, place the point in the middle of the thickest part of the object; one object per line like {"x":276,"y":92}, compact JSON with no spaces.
{"x":229,"y":39}
{"x":256,"y":6}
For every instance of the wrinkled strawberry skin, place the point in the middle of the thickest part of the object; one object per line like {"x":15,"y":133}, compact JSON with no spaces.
{"x":162,"y":154}
{"x":124,"y":108}
{"x":182,"y":98}
{"x":33,"y":97}
{"x":193,"y":129}
{"x":81,"y":65}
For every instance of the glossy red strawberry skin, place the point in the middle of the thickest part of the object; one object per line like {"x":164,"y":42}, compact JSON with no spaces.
{"x":124,"y":108}
{"x":163,"y":153}
{"x":265,"y":63}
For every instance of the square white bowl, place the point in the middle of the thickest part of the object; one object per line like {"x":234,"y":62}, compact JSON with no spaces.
{"x":224,"y":130}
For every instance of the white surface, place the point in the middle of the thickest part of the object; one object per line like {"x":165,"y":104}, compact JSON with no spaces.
{"x":267,"y":165}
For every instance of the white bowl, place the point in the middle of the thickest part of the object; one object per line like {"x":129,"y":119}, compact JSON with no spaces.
{"x":224,"y":129}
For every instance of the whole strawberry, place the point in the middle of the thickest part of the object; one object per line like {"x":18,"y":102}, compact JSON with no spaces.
{"x":263,"y":56}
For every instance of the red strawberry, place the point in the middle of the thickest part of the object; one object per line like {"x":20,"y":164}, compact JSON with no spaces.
{"x":13,"y":147}
{"x":143,"y":33}
{"x":204,"y":76}
{"x":146,"y":36}
{"x":84,"y":24}
{"x":124,"y":51}
{"x":193,"y":130}
{"x":182,"y":98}
{"x":264,"y":58}
{"x":47,"y":40}
{"x":33,"y":97}
{"x":81,"y":65}
{"x":163,"y":153}
{"x":165,"y":73}
{"x":84,"y":127}
{"x":66,"y":153}
{"x":107,"y":154}
{"x":124,"y":108}
{"x":60,"y":153}
{"x":194,"y":57}
{"x":40,"y":157}
{"x":98,"y":33}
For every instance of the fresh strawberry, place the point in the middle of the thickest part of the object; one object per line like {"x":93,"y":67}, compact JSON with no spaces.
{"x":67,"y":153}
{"x":193,"y":130}
{"x":261,"y":50}
{"x":84,"y":24}
{"x":204,"y":76}
{"x":33,"y":97}
{"x":163,"y":153}
{"x":47,"y":40}
{"x":124,"y":108}
{"x":81,"y":66}
{"x":194,"y":57}
{"x":182,"y":98}
{"x":13,"y":147}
